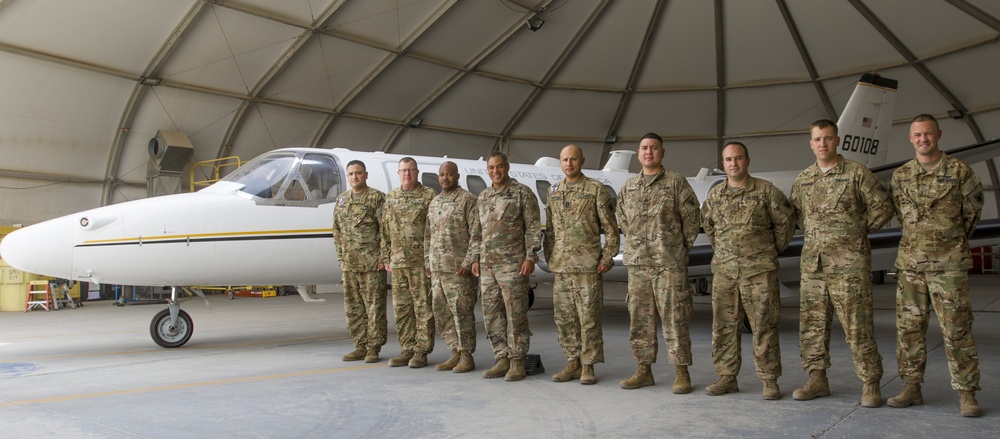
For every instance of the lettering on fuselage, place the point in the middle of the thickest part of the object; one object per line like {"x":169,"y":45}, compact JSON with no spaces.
{"x":864,"y":145}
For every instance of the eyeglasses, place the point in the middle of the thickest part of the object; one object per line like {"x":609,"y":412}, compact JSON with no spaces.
{"x":407,"y":171}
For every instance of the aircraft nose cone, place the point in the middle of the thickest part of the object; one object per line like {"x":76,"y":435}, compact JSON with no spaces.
{"x":45,"y":248}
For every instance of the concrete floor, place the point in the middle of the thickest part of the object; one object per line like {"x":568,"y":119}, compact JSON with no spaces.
{"x":271,"y":368}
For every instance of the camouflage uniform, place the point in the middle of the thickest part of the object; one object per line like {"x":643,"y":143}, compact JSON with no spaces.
{"x":660,"y":221}
{"x":403,"y":240}
{"x":747,"y":227}
{"x":356,"y":234}
{"x":837,"y":210}
{"x":938,"y":210}
{"x":575,"y":216}
{"x":511,"y":235}
{"x":453,"y":240}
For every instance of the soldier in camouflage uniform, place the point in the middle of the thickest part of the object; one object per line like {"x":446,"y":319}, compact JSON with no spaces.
{"x":838,"y":202}
{"x":748,"y":221}
{"x":403,"y":230}
{"x":658,"y":214}
{"x":452,"y":243}
{"x":939,"y":200}
{"x":356,"y":235}
{"x":579,"y":208}
{"x":508,"y":213}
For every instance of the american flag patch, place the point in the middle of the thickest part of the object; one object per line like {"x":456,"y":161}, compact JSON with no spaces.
{"x":866,"y":122}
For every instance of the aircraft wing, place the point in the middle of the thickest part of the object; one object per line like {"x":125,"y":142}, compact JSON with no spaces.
{"x":969,"y":154}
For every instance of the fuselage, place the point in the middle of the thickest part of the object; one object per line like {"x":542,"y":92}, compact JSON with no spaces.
{"x":269,"y":222}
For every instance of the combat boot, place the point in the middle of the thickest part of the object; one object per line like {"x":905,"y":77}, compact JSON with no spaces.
{"x":587,"y":375}
{"x":909,"y":396}
{"x":402,"y":360}
{"x":771,"y":391}
{"x":970,"y":408}
{"x":682,"y":384}
{"x":372,"y":355}
{"x":418,"y":360}
{"x":871,"y":395}
{"x":498,"y":370}
{"x":571,"y":371}
{"x":357,"y":354}
{"x":451,"y":363}
{"x":642,"y":377}
{"x":465,"y":363}
{"x":725,"y":384}
{"x":516,"y":371}
{"x":816,"y":386}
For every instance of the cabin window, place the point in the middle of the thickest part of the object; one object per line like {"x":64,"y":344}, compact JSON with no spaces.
{"x":431,"y":181}
{"x":476,"y":184}
{"x":543,"y":190}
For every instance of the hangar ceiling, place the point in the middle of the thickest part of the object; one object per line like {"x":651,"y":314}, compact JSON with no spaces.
{"x":85,"y":85}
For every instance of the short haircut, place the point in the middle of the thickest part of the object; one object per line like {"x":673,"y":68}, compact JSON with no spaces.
{"x":503,"y":157}
{"x":824,"y":124}
{"x":652,"y":136}
{"x":746,"y":152}
{"x":926,"y":118}
{"x":357,"y":162}
{"x":407,"y":159}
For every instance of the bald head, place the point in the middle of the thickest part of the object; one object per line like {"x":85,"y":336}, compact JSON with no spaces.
{"x":571,"y":160}
{"x":448,"y":176}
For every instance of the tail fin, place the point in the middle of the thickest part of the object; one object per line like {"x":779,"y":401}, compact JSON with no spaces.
{"x":865,"y":124}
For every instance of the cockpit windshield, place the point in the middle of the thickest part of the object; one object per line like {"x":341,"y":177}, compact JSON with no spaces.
{"x":262,"y":177}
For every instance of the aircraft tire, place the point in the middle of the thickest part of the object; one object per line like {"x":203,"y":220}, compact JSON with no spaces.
{"x":168,"y":337}
{"x":878,"y":277}
{"x":702,"y":284}
{"x":531,"y":297}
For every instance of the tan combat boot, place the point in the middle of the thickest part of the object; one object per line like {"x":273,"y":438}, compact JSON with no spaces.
{"x":642,"y":377}
{"x":571,"y":371}
{"x":909,"y":396}
{"x":372,"y":355}
{"x":725,"y":384}
{"x":816,"y":386}
{"x":871,"y":395}
{"x":498,"y":370}
{"x":587,"y":375}
{"x":355,"y":355}
{"x":516,"y":371}
{"x":451,"y":363}
{"x":771,"y":391}
{"x":970,"y":407}
{"x":402,"y":360}
{"x":466,"y":363}
{"x":418,"y":360}
{"x":682,"y":384}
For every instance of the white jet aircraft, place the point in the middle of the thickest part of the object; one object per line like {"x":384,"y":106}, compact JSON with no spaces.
{"x":269,"y":222}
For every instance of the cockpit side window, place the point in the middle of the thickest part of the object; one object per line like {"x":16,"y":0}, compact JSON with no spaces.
{"x":322,"y":177}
